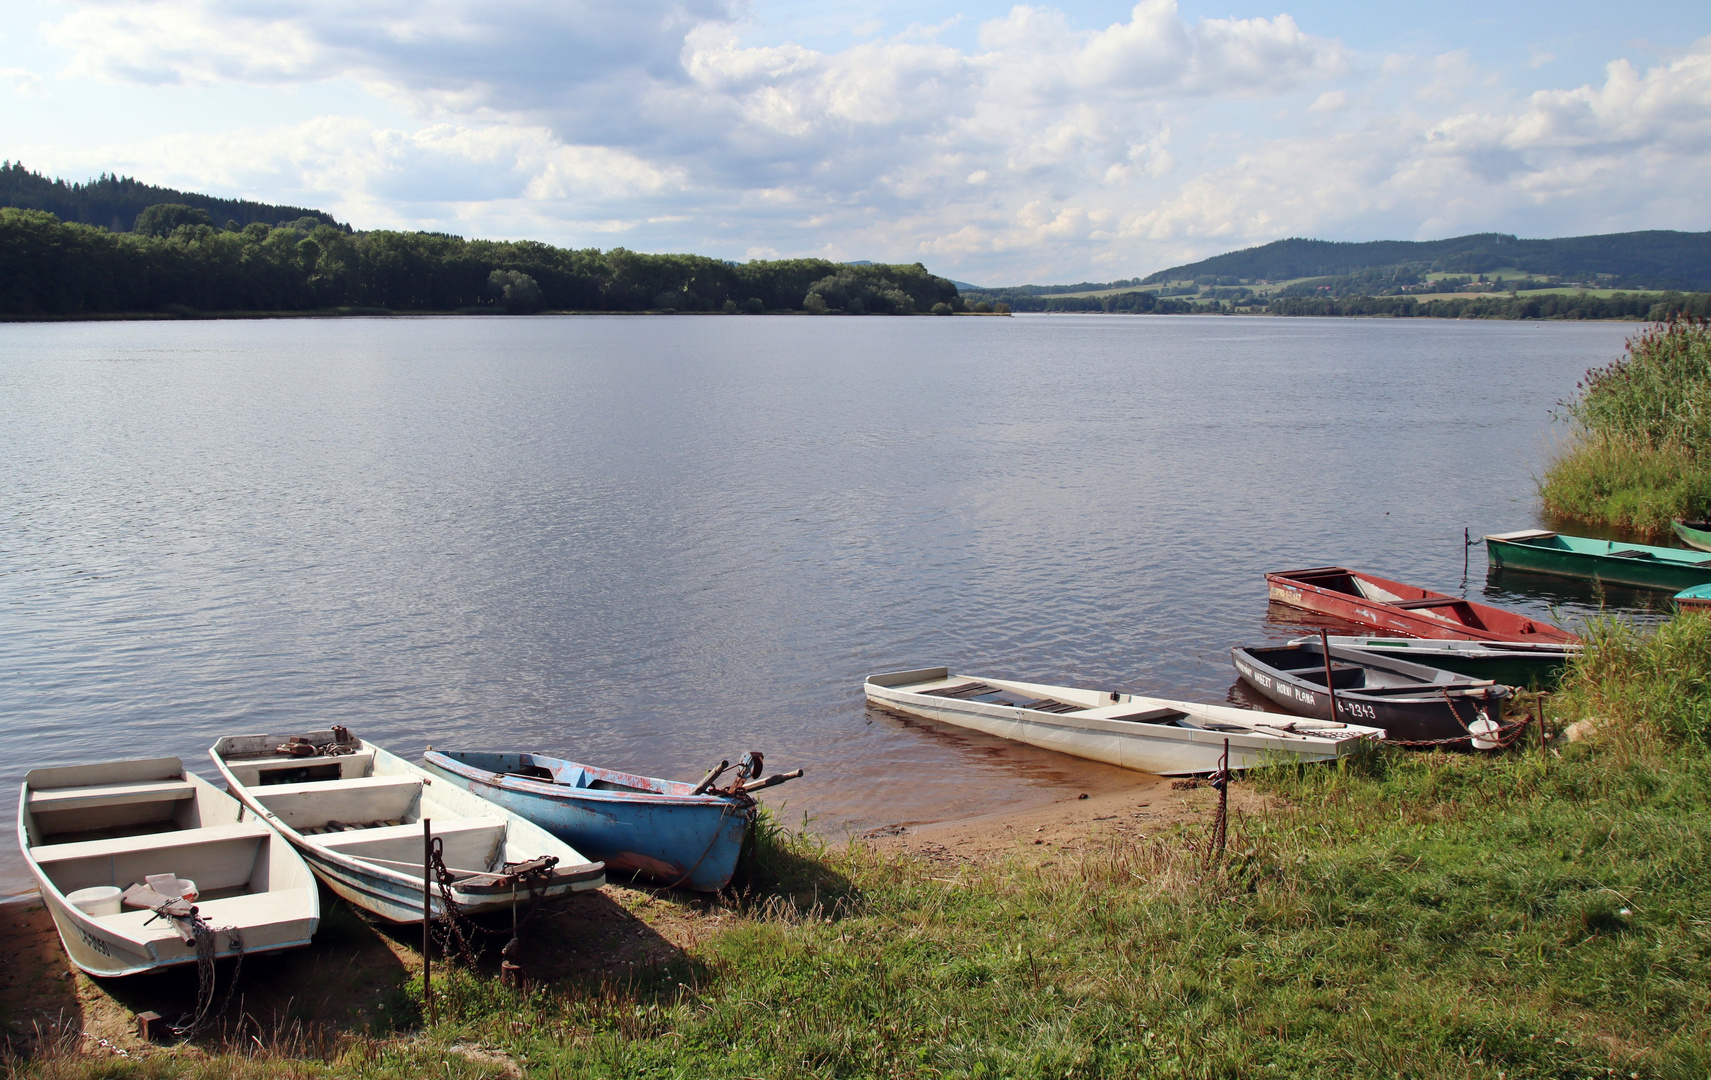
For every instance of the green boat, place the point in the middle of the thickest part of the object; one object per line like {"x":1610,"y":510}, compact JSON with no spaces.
{"x":1526,"y":664}
{"x":1695,"y":534}
{"x":1697,"y":598}
{"x":1543,"y":552}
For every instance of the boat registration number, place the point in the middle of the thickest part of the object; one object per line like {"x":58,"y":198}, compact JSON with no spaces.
{"x":1355,"y":708}
{"x":95,"y":943}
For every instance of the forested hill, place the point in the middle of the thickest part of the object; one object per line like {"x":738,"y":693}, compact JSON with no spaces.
{"x":1659,"y":259}
{"x":114,"y":202}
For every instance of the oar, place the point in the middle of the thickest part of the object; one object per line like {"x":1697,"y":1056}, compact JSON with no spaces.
{"x":772,"y":781}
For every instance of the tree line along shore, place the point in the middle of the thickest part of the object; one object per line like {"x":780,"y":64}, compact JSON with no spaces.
{"x":176,"y":261}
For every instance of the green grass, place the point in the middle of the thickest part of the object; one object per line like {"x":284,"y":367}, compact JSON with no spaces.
{"x":1540,"y":914}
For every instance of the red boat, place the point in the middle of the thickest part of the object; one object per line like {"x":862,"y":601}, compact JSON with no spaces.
{"x":1396,"y":608}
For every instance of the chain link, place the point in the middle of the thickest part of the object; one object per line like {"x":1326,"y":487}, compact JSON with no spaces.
{"x":455,"y":932}
{"x":207,"y":947}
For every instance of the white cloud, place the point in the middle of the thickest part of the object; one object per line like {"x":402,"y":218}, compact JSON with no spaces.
{"x":24,"y":83}
{"x":1042,"y":149}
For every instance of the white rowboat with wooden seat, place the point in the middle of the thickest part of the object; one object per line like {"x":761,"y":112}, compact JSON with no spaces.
{"x":1153,"y":735}
{"x":111,"y":826}
{"x":355,"y":812}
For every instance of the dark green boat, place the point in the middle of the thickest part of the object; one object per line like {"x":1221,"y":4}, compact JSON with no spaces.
{"x":1543,"y":552}
{"x":1526,"y":664}
{"x":1695,"y":534}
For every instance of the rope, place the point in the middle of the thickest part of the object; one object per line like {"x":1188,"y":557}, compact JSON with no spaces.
{"x":1504,"y":735}
{"x":739,"y":800}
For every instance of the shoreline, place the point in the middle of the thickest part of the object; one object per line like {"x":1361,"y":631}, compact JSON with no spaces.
{"x":379,"y":313}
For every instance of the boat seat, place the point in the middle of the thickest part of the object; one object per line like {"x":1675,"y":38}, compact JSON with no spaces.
{"x":962,"y":690}
{"x":247,"y":912}
{"x":1430,"y":601}
{"x":313,"y":804}
{"x":216,"y":858}
{"x":466,"y":843}
{"x":125,"y":845}
{"x":1047,"y":705}
{"x":1151,"y":716}
{"x":1631,"y":553}
{"x":95,"y":795}
{"x":338,"y":841}
{"x":253,"y":772}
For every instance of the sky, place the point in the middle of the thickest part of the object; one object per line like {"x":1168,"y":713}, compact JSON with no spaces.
{"x":996,"y":143}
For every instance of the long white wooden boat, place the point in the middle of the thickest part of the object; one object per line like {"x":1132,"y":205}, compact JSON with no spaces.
{"x":111,"y":826}
{"x":355,"y":813}
{"x":1153,"y":735}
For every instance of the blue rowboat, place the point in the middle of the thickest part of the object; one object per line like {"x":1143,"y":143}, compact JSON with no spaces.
{"x":629,"y":822}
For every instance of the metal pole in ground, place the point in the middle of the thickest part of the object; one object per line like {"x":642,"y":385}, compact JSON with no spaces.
{"x":1223,"y":797}
{"x":427,"y":920}
{"x":1330,"y":682}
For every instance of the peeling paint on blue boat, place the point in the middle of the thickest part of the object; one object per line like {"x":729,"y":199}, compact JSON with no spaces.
{"x":638,"y":823}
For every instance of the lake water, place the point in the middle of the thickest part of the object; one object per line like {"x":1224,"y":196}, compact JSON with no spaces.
{"x":650,"y":543}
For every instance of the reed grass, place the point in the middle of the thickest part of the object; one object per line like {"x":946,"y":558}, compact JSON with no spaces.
{"x":1624,"y":481}
{"x":1534,"y":914}
{"x":1641,"y":452}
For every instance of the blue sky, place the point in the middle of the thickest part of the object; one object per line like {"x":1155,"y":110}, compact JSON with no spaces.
{"x":995,"y":142}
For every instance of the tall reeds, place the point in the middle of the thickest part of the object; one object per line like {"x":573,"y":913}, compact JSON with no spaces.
{"x":1642,"y":448}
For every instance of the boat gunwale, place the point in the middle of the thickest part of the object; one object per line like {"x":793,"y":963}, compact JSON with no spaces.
{"x":566,"y":793}
{"x":1683,"y":557}
{"x":1458,"y":686}
{"x":1472,"y":647}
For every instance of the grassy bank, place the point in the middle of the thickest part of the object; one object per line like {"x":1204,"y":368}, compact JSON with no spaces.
{"x":1641,"y":449}
{"x":1539,"y":914}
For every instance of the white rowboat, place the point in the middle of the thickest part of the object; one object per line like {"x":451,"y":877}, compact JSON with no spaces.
{"x":112,"y":825}
{"x":355,"y":813}
{"x":1154,"y":735}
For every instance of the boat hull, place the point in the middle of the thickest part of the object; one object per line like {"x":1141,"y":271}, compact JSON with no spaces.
{"x":681,"y":840}
{"x":1414,"y":612}
{"x":1164,"y":751}
{"x":1695,"y":534}
{"x":1425,"y":716}
{"x":1663,"y":569}
{"x":1529,"y":667}
{"x":1697,"y":598}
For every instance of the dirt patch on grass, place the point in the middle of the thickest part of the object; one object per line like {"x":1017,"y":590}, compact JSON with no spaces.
{"x":1067,"y":826}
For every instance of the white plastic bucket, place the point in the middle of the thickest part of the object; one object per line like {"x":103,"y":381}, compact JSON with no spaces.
{"x":100,"y":900}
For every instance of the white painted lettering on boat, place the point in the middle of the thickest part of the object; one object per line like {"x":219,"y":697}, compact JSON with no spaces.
{"x":1355,"y":708}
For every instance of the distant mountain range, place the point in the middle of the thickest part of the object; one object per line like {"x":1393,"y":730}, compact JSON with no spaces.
{"x":114,"y":202}
{"x":1657,"y":259}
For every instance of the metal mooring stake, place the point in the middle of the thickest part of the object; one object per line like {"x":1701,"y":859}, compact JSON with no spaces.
{"x":427,"y":920}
